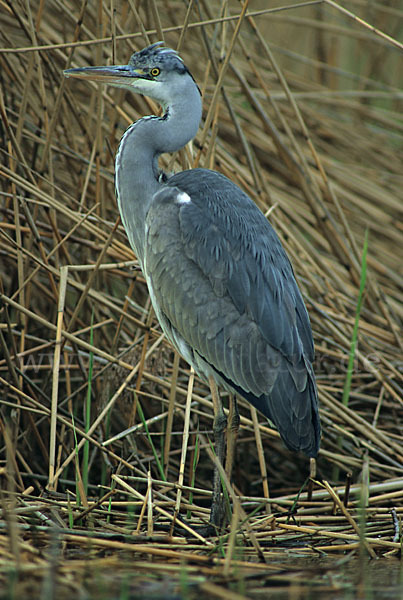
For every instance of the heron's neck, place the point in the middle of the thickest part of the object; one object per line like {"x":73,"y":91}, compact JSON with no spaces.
{"x":137,"y":161}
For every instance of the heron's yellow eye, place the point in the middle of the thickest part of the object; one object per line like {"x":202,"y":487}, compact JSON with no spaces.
{"x":155,"y":71}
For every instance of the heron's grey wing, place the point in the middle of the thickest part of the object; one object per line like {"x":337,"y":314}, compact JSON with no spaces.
{"x":235,"y":246}
{"x":225,"y":291}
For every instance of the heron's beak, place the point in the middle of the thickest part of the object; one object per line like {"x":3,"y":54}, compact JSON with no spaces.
{"x":115,"y":75}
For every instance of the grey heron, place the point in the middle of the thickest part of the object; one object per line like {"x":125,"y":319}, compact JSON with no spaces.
{"x":220,"y":282}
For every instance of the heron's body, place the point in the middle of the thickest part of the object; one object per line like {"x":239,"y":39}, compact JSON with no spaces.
{"x":225,"y":295}
{"x":220,"y":282}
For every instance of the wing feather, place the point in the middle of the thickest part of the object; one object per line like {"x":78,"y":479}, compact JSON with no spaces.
{"x":221,"y":279}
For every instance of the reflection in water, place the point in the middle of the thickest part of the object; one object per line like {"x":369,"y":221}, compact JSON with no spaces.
{"x":343,"y":579}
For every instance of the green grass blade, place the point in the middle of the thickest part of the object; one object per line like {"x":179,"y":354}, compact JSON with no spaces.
{"x":78,"y":495}
{"x":86,"y":447}
{"x":157,"y":460}
{"x":353,"y":345}
{"x":193,"y":473}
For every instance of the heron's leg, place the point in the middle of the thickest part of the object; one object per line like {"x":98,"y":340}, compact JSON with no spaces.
{"x":312,"y":476}
{"x":220,"y":423}
{"x":232,"y":433}
{"x":312,"y":468}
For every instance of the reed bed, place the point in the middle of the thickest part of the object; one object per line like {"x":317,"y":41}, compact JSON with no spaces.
{"x":102,"y":493}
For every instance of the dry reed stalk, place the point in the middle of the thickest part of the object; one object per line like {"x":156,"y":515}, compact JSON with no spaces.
{"x":185,"y":442}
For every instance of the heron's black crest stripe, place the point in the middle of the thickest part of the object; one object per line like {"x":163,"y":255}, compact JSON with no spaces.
{"x":160,"y":56}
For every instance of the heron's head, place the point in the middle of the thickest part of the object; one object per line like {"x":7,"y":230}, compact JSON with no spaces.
{"x":155,"y":71}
